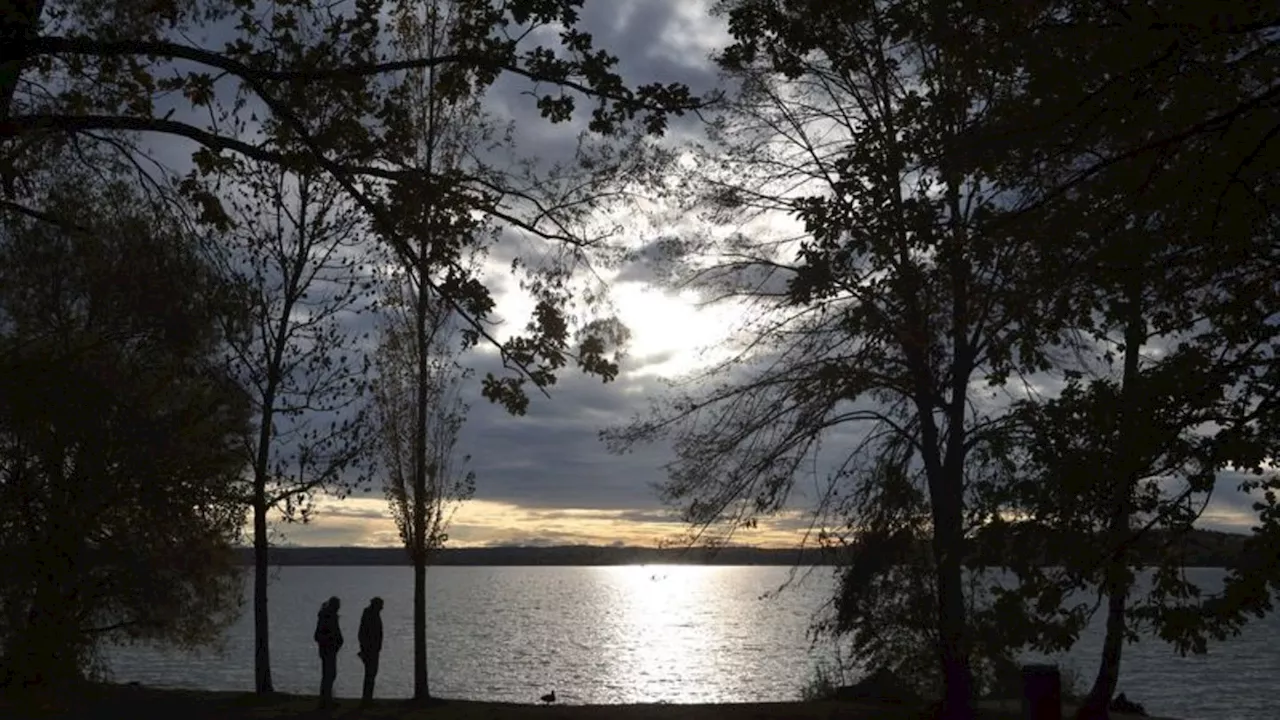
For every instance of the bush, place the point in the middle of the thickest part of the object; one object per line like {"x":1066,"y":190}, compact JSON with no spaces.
{"x":122,"y":435}
{"x":823,"y":684}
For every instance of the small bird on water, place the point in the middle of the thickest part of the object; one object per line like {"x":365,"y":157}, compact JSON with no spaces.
{"x":549,"y":697}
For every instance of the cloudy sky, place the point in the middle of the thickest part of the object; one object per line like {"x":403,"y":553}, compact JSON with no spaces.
{"x":545,"y":478}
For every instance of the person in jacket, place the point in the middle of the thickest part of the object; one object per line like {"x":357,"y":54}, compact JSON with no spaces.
{"x":370,"y":637}
{"x":328,"y":637}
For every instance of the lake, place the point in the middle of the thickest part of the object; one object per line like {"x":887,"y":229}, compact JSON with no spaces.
{"x":625,"y":634}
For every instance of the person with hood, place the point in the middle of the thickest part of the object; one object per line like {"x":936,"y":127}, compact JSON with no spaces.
{"x":328,"y":637}
{"x":370,"y":637}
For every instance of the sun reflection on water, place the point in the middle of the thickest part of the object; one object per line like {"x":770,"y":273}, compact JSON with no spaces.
{"x":636,"y":634}
{"x":666,"y":626}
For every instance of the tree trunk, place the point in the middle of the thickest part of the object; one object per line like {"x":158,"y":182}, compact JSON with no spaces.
{"x":1097,"y":702}
{"x":45,"y":654}
{"x":947,"y":476}
{"x":957,"y":702}
{"x":261,"y":624}
{"x":421,"y":690}
{"x":946,"y":497}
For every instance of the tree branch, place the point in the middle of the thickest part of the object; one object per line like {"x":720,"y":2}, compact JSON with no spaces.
{"x":176,"y":51}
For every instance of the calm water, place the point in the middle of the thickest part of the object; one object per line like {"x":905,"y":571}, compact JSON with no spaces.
{"x":635,"y":634}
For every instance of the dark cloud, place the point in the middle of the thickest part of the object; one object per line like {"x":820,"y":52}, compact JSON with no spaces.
{"x":552,"y":456}
{"x":652,"y":262}
{"x":663,"y":515}
{"x":529,"y":539}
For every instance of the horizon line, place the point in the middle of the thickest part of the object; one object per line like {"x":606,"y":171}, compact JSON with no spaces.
{"x":290,"y":546}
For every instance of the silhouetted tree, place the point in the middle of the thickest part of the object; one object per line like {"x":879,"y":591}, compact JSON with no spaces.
{"x":1138,"y":445}
{"x":420,"y":408}
{"x":120,"y":432}
{"x":300,"y":258}
{"x":1146,"y":164}
{"x":418,"y":417}
{"x":877,"y":324}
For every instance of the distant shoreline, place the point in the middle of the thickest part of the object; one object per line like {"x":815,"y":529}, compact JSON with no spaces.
{"x":1203,"y":548}
{"x":566,"y":555}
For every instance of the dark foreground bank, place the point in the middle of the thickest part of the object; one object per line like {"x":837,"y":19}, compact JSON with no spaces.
{"x":111,"y":702}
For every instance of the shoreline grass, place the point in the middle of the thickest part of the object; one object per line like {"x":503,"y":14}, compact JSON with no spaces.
{"x":109,"y":702}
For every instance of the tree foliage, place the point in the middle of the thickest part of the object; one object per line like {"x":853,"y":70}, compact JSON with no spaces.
{"x":120,"y":432}
{"x":1150,"y":179}
{"x":79,"y":74}
{"x":395,"y":422}
{"x":1176,"y":99}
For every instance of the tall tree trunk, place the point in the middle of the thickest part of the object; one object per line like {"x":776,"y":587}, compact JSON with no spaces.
{"x":946,"y":496}
{"x":948,"y":541}
{"x":421,"y":690}
{"x":261,"y":624}
{"x":421,"y":687}
{"x":262,"y":461}
{"x":948,"y":500}
{"x":261,"y":464}
{"x":958,"y":677}
{"x":1117,"y":582}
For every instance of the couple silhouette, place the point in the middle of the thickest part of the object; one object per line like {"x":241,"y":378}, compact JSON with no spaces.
{"x":328,"y":637}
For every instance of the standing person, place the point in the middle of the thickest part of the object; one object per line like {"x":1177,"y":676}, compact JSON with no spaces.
{"x":328,"y":638}
{"x":370,"y":637}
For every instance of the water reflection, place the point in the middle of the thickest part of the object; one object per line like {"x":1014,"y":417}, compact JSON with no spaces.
{"x":637,"y":634}
{"x":679,"y":633}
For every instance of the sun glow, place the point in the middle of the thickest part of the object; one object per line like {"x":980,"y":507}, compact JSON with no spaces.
{"x":670,"y":334}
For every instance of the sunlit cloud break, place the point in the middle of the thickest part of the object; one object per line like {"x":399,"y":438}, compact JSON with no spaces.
{"x":367,"y":522}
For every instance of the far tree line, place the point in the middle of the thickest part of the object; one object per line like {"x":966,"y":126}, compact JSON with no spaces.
{"x":1200,"y":548}
{"x":1009,"y":273}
